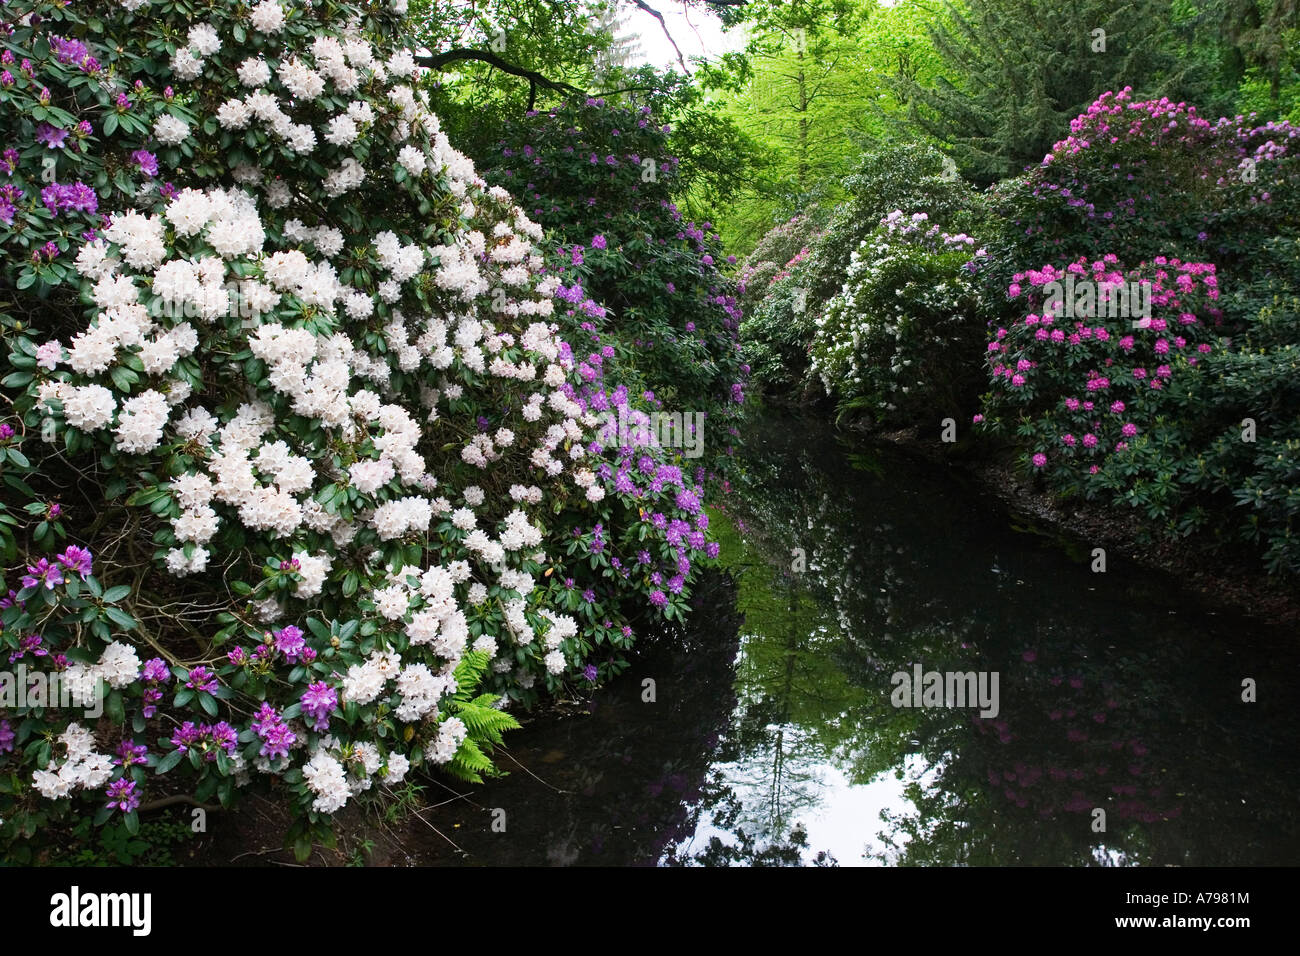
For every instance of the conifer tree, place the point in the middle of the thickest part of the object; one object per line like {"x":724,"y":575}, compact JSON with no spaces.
{"x":1019,"y":70}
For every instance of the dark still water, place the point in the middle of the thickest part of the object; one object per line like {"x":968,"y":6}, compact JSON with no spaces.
{"x":772,"y":737}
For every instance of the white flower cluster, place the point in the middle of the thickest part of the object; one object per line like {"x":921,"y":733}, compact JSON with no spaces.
{"x":362,"y":401}
{"x":170,"y":130}
{"x":364,"y":682}
{"x":421,"y":689}
{"x":437,"y":620}
{"x":327,"y":240}
{"x":401,"y":261}
{"x":334,"y":781}
{"x":519,"y":532}
{"x":312,"y":569}
{"x":118,"y":667}
{"x":83,"y":766}
{"x":267,"y":17}
{"x":187,"y":61}
{"x":451,"y":734}
{"x":140,"y":425}
{"x":327,"y":779}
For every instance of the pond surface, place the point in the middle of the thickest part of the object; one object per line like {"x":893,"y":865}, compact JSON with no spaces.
{"x":1120,"y":737}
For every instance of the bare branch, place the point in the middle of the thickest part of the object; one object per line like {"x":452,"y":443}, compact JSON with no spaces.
{"x":642,"y":5}
{"x":175,"y":799}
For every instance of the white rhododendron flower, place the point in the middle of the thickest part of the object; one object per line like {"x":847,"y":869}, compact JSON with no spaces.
{"x":254,"y":72}
{"x":170,"y":130}
{"x":267,"y":17}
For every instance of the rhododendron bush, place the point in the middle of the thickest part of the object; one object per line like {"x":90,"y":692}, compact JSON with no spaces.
{"x":889,"y":176}
{"x":896,"y":341}
{"x":913,"y":177}
{"x":300,"y":468}
{"x":773,"y":287}
{"x":600,"y":179}
{"x":1149,"y":178}
{"x":773,"y":254}
{"x":1163,"y":415}
{"x":1186,"y":420}
{"x":1079,"y":387}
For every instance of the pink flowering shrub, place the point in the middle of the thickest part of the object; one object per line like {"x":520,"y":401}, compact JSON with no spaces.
{"x":774,"y":255}
{"x":303,"y":473}
{"x":777,"y":334}
{"x":1078,"y":389}
{"x":772,"y":289}
{"x":1153,"y":178}
{"x":1226,"y":465}
{"x":1152,"y":418}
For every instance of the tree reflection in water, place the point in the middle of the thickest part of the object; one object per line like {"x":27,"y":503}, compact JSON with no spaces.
{"x":774,"y":742}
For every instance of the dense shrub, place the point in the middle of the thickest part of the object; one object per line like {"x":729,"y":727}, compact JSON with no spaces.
{"x":1153,"y":418}
{"x":778,"y":334}
{"x":900,"y":340}
{"x":1080,"y":385}
{"x":1152,"y":178}
{"x":778,"y":337}
{"x":773,"y":289}
{"x":773,"y":257}
{"x":1170,"y":189}
{"x":298,"y":458}
{"x":599,"y":178}
{"x":1227,"y":466}
{"x":908,"y":176}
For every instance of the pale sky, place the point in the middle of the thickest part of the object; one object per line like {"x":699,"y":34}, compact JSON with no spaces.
{"x":697,"y":33}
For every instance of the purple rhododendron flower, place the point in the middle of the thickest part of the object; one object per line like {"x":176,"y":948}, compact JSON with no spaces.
{"x":289,"y":642}
{"x":75,"y":559}
{"x":202,"y":679}
{"x":146,"y":161}
{"x":318,"y":702}
{"x":129,"y":753}
{"x":155,"y":670}
{"x":42,"y":573}
{"x":50,"y":136}
{"x":122,"y":795}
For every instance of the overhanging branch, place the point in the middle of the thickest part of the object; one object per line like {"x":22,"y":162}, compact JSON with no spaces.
{"x":440,"y":61}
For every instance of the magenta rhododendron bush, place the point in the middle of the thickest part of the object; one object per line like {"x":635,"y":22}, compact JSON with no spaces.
{"x":1143,"y":356}
{"x":1142,"y":178}
{"x":1082,"y":372}
{"x":301,"y":481}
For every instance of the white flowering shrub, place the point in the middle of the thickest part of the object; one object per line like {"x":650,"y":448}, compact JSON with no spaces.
{"x":896,"y":341}
{"x":300,"y":475}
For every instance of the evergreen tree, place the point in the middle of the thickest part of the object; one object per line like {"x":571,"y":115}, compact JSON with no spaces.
{"x":1261,"y":36}
{"x":1018,"y":71}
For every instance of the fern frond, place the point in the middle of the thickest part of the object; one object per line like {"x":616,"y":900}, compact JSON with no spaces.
{"x":470,"y":764}
{"x":485,"y":723}
{"x":469,"y":672}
